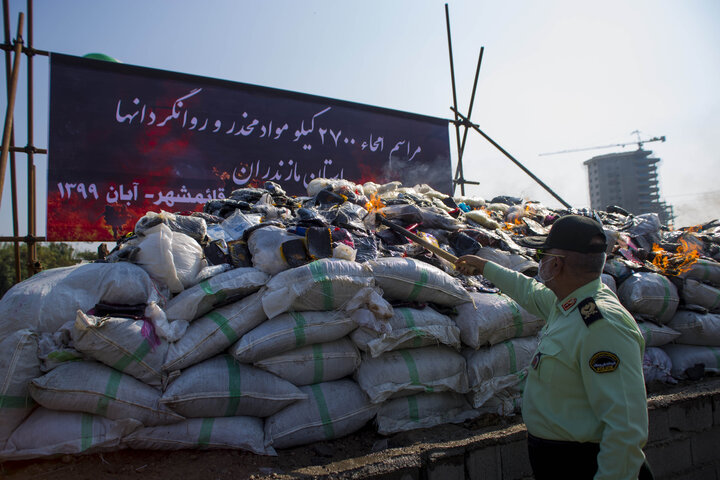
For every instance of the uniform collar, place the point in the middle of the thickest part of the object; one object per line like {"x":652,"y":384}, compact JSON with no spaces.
{"x":568,"y":304}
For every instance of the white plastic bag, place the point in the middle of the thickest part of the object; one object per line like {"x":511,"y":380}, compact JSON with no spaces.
{"x":423,"y":410}
{"x":687,"y":357}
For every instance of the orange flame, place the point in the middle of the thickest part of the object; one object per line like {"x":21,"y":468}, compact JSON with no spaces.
{"x":374,"y":204}
{"x":675,"y":264}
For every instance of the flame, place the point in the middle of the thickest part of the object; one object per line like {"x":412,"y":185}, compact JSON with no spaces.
{"x":374,"y":204}
{"x":680,"y":262}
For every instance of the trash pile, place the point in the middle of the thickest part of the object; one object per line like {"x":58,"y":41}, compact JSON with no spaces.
{"x":268,"y":321}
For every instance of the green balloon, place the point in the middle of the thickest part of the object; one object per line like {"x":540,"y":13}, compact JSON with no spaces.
{"x":102,"y":56}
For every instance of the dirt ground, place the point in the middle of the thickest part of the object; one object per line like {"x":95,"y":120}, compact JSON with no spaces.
{"x":309,"y":461}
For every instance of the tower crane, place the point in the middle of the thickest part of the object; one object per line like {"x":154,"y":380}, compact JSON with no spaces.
{"x":639,"y":143}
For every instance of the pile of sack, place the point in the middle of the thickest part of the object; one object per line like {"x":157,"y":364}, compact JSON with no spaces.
{"x":269,"y":321}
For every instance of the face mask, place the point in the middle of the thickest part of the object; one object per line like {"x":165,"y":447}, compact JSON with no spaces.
{"x":542,"y":277}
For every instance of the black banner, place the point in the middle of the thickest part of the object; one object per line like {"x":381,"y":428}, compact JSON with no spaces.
{"x":125,"y":140}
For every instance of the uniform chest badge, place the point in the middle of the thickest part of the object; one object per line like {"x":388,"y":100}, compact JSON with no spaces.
{"x":604,"y":362}
{"x":589,"y":311}
{"x":569,"y":304}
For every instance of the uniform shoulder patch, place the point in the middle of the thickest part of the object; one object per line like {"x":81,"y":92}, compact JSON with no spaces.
{"x":604,"y":362}
{"x":589,"y":311}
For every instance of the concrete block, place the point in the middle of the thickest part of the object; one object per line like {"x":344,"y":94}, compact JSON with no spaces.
{"x":405,"y":474}
{"x":670,"y":457}
{"x":716,"y":410}
{"x":694,"y":415}
{"x":706,"y":447}
{"x":515,"y":460}
{"x":447,"y":464}
{"x":484,"y":463}
{"x":659,"y":425}
{"x":703,"y":473}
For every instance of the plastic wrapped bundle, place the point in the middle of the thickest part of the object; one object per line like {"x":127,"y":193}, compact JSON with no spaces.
{"x":704,"y":271}
{"x":696,"y":328}
{"x":657,"y":335}
{"x":696,"y":293}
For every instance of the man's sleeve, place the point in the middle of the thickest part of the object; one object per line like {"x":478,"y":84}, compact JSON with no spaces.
{"x":533,"y":296}
{"x":611,"y":369}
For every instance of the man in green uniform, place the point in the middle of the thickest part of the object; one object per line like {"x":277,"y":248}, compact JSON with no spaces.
{"x":584,"y":404}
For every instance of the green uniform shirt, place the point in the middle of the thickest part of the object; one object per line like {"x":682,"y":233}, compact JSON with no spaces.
{"x":585,"y":383}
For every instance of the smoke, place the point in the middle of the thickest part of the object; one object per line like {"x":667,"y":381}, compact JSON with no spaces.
{"x":696,"y":209}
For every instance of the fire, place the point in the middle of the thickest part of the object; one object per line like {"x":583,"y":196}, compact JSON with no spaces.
{"x":374,"y":204}
{"x":675,"y":264}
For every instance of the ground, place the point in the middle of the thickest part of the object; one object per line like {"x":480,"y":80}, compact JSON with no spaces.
{"x":319,"y":459}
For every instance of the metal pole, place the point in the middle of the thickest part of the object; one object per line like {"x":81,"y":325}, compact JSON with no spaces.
{"x":504,"y":152}
{"x":11,"y":105}
{"x":33,"y":265}
{"x":455,"y":104}
{"x":13,"y":172}
{"x":472,"y":101}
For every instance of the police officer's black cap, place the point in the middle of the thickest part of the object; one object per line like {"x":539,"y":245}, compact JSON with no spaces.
{"x":571,"y":232}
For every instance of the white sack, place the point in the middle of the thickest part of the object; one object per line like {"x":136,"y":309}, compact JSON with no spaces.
{"x":265,"y":245}
{"x":696,"y":293}
{"x":19,"y":364}
{"x":481,"y":217}
{"x":407,"y":279}
{"x":697,"y":328}
{"x":704,"y":271}
{"x":518,"y":263}
{"x":423,"y":410}
{"x":405,"y":372}
{"x":609,"y":281}
{"x":326,"y":284}
{"x":657,"y":366}
{"x":172,"y":258}
{"x":215,"y":332}
{"x":684,"y":357}
{"x":221,"y":387}
{"x":331,"y":410}
{"x":48,"y":299}
{"x":493,"y":318}
{"x":47,"y":432}
{"x":226,"y":287}
{"x":291,"y":330}
{"x":649,"y":294}
{"x":410,"y":328}
{"x":657,"y":335}
{"x":94,"y":388}
{"x":127,"y":345}
{"x":321,"y":362}
{"x":501,"y":367}
{"x":227,"y":433}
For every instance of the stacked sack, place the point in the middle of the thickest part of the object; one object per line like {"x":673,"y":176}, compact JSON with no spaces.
{"x":270,"y":322}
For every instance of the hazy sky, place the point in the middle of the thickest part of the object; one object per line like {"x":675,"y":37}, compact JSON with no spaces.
{"x":556,"y":75}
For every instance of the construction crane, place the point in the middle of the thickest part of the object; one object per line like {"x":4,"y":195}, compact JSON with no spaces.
{"x":639,"y":143}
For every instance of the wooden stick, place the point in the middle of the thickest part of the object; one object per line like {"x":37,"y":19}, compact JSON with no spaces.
{"x":419,"y":240}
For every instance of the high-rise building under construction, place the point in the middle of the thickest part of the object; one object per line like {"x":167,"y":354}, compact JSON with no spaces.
{"x":628,"y":180}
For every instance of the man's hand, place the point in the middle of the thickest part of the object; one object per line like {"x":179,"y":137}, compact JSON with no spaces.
{"x":470,"y":265}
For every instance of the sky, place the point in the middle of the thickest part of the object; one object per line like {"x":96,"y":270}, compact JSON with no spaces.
{"x":556,"y":75}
